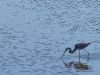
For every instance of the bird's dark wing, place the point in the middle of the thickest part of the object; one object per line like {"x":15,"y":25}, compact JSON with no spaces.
{"x":81,"y":45}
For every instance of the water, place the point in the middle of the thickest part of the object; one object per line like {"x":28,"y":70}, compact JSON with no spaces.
{"x":34,"y":34}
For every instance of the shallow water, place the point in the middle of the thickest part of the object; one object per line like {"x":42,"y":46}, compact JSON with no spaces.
{"x":34,"y":34}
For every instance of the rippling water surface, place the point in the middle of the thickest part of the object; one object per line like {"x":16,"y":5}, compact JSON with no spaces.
{"x":34,"y":34}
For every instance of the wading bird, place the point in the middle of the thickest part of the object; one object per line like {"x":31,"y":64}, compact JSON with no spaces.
{"x":79,"y":47}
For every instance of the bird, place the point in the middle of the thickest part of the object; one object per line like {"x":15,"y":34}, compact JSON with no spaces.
{"x":78,"y":46}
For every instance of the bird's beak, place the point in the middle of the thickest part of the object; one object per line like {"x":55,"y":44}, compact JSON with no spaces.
{"x":64,"y":52}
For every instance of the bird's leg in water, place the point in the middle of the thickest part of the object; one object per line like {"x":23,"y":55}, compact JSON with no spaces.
{"x":88,"y":54}
{"x":79,"y":55}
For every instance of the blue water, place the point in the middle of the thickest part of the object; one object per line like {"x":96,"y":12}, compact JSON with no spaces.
{"x":34,"y":34}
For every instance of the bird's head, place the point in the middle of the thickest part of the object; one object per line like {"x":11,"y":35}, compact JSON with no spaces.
{"x":67,"y":49}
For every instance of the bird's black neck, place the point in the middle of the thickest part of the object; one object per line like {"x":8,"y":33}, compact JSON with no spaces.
{"x":72,"y":51}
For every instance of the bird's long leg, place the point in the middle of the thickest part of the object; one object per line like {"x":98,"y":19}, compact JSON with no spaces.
{"x":79,"y":56}
{"x":87,"y":53}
